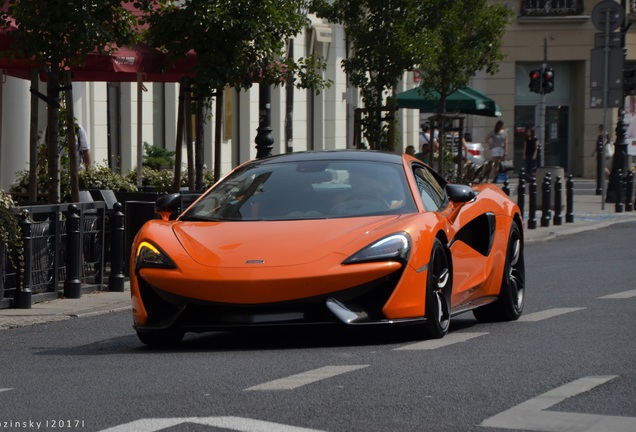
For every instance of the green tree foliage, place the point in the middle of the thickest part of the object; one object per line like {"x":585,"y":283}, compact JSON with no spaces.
{"x":236,"y":42}
{"x":466,"y":37}
{"x":383,"y":36}
{"x":157,"y":157}
{"x":447,"y":41}
{"x":58,"y":35}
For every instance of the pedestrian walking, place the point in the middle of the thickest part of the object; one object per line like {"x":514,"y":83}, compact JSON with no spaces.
{"x":530,"y":150}
{"x":603,"y":139}
{"x":497,"y":141}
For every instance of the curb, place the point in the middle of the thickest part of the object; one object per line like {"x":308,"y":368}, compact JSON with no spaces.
{"x":564,"y":230}
{"x":100,"y":312}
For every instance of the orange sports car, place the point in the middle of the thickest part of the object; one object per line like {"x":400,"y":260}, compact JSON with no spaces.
{"x":348,"y":236}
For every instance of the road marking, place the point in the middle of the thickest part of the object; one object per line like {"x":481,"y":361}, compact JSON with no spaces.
{"x":231,"y":423}
{"x":550,"y":313}
{"x":449,"y":339}
{"x":531,"y":414}
{"x":4,"y":390}
{"x":301,"y":379}
{"x":621,"y":295}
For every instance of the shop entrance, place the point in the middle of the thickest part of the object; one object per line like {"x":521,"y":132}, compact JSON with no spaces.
{"x":555,"y":141}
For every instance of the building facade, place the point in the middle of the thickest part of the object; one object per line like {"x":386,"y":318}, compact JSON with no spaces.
{"x":561,"y":35}
{"x":120,"y":117}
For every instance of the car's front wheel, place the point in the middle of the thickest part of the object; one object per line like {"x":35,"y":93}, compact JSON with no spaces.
{"x":509,"y":306}
{"x":438,"y":291}
{"x":161,"y":338}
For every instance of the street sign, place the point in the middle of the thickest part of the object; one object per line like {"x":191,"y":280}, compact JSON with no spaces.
{"x":614,"y":98}
{"x":614,"y":40}
{"x":608,"y":15}
{"x":614,"y":68}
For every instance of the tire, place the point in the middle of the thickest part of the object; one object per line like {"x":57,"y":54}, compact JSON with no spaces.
{"x":438,"y":290}
{"x":509,"y":306}
{"x":161,"y":338}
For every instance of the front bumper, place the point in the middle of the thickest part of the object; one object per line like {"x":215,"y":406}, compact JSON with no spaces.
{"x":360,"y":305}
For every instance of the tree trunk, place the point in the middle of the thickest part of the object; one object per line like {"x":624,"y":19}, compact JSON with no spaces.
{"x":178,"y":154}
{"x":72,"y":140}
{"x":188,"y":134}
{"x":52,"y":134}
{"x":217,"y":135}
{"x":33,"y":142}
{"x":198,"y":142}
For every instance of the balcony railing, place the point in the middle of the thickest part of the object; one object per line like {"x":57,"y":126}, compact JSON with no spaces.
{"x":546,"y":8}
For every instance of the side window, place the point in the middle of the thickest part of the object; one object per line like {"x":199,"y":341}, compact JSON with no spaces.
{"x":431,"y":192}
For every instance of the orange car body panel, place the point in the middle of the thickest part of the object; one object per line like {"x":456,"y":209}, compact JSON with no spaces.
{"x":262,"y":262}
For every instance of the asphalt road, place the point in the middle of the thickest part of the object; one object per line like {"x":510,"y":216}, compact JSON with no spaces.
{"x":568,"y":364}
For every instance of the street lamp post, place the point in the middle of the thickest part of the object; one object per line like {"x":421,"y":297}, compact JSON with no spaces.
{"x":264,"y":140}
{"x":619,"y":161}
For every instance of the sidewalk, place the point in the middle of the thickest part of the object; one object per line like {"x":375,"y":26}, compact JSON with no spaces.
{"x":588,"y":214}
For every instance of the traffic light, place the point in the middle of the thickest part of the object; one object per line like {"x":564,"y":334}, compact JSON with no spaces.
{"x":629,"y":82}
{"x":535,"y":81}
{"x":548,"y":80}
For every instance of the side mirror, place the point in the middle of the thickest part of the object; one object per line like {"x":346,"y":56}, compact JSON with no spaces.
{"x":460,"y":193}
{"x":168,"y":204}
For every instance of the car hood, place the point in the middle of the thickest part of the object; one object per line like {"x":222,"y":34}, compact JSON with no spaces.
{"x":277,"y":243}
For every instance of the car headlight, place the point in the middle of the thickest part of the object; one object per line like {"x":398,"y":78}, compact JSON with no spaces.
{"x":394,"y":247}
{"x":148,"y":255}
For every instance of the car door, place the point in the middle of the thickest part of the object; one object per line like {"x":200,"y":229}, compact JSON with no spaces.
{"x":470,"y":231}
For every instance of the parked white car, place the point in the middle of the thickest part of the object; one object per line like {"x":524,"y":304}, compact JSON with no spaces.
{"x":475,"y":150}
{"x":475,"y":153}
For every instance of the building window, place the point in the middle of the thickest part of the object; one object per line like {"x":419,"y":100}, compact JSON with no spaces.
{"x":551,"y":7}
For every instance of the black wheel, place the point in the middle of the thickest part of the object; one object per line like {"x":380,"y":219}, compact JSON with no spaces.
{"x":438,"y":290}
{"x":509,"y":306}
{"x":161,"y":338}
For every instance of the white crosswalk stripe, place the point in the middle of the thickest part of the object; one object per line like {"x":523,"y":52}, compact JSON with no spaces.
{"x":449,"y":339}
{"x":549,"y":313}
{"x":620,"y":295}
{"x":304,"y":378}
{"x":533,"y":414}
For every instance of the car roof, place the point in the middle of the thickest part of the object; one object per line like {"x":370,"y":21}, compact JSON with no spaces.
{"x":358,"y":155}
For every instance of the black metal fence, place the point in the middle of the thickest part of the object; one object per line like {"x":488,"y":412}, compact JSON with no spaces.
{"x":43,"y":270}
{"x":71,"y":249}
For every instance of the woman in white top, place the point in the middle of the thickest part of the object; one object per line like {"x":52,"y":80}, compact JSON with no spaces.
{"x":497,"y":141}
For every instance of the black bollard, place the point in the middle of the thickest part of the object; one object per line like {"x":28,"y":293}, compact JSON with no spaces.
{"x":629,"y":191}
{"x":506,"y":187}
{"x":545,"y":201}
{"x":116,"y":278}
{"x":618,"y":206}
{"x":521,"y":194}
{"x":569,"y":190}
{"x":558,"y":190}
{"x":22,"y":298}
{"x":532,"y":220}
{"x":73,"y":284}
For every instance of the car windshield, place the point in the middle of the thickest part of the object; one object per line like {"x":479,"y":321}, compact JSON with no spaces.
{"x":306,"y":190}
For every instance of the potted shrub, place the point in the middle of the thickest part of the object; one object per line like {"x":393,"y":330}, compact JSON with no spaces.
{"x":158,"y":158}
{"x":100,"y":177}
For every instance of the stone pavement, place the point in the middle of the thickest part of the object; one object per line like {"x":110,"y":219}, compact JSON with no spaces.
{"x":589,"y":213}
